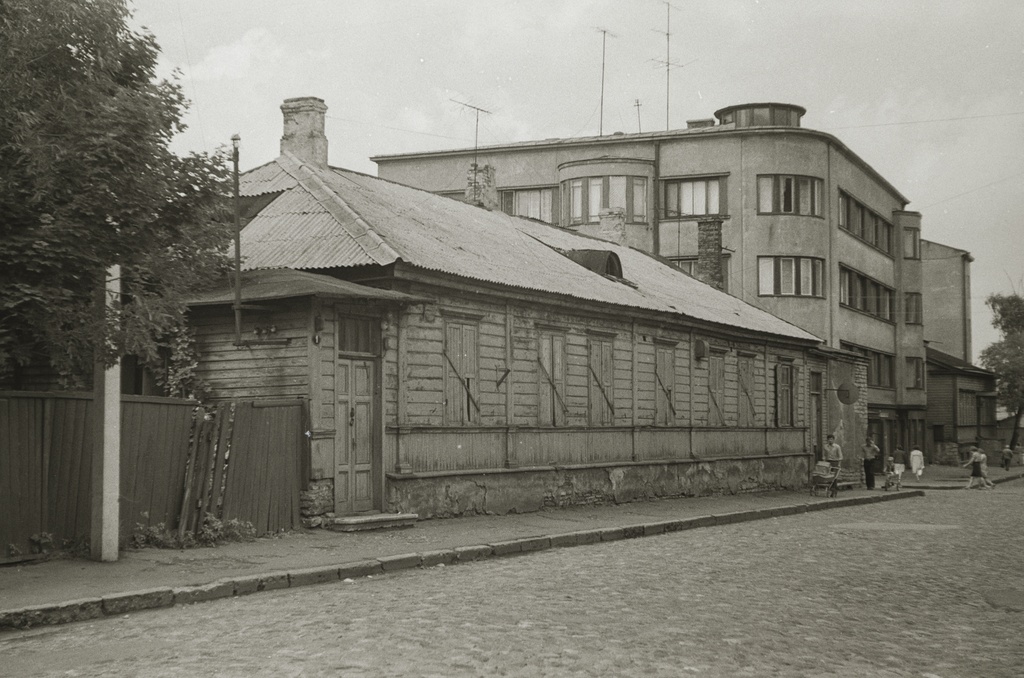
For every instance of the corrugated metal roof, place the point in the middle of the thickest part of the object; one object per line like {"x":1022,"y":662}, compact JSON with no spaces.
{"x":269,"y":178}
{"x":285,"y":283}
{"x":445,"y":235}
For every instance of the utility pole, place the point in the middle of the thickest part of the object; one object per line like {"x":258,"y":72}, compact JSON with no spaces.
{"x":238,"y":241}
{"x":476,"y":143}
{"x":604,"y":38}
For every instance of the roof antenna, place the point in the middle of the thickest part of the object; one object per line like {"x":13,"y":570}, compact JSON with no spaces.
{"x":667,"y":61}
{"x":637,"y":104}
{"x":604,"y":39}
{"x":476,"y":143}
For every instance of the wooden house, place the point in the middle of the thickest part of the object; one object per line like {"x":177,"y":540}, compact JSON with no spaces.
{"x":961,"y":408}
{"x":459,"y":360}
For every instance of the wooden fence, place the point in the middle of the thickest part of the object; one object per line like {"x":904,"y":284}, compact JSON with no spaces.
{"x":46,"y":450}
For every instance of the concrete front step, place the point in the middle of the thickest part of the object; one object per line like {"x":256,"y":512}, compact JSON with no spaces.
{"x":373,"y":521}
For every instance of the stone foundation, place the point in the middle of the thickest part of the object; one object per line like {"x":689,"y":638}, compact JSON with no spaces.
{"x":522,"y":491}
{"x":316,"y":502}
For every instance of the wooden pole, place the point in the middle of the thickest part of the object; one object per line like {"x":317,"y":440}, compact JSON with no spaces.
{"x":106,"y":462}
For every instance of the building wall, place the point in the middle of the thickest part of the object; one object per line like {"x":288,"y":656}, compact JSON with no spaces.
{"x":254,"y":371}
{"x":946,"y":285}
{"x":439,"y":467}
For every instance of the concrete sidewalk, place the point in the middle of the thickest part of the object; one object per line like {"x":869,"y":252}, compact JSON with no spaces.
{"x":950,"y":477}
{"x":59,"y":591}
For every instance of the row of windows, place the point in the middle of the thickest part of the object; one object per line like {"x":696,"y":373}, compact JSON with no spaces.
{"x":858,"y":291}
{"x":585,"y":198}
{"x":461,"y":376}
{"x":785,"y":194}
{"x":791,"y":276}
{"x":862,"y":223}
{"x":880,"y":365}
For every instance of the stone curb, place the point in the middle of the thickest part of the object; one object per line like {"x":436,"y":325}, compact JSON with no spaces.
{"x":133,"y":601}
{"x":959,"y":484}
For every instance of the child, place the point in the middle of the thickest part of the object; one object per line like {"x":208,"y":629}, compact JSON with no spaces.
{"x":899,"y":464}
{"x":1007,"y":457}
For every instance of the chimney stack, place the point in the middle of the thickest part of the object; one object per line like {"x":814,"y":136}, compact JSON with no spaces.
{"x":709,"y":252}
{"x":481,"y":187}
{"x":304,"y":130}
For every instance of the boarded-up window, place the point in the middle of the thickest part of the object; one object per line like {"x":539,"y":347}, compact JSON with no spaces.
{"x":747,"y":414}
{"x":600,"y":363}
{"x":460,"y":373}
{"x":784,"y":394}
{"x":664,"y":385}
{"x":716,"y":390}
{"x":551,"y":389}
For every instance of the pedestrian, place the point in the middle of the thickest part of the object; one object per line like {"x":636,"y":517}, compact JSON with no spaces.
{"x":917,"y":462}
{"x":984,"y":469}
{"x":833,"y":453}
{"x":974,"y":461}
{"x":899,"y":465}
{"x":870,"y":452}
{"x":1007,"y":457}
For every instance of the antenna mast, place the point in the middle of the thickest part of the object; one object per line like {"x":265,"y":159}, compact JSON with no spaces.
{"x":637,"y":105}
{"x":604,"y":38}
{"x":476,"y":143}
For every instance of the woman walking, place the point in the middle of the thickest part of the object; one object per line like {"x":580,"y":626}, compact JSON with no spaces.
{"x":975,"y":462}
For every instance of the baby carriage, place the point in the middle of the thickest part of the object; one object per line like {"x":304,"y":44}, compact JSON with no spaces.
{"x":891,"y":477}
{"x":824,"y":476}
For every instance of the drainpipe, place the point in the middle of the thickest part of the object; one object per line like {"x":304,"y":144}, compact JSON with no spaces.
{"x":238,"y":243}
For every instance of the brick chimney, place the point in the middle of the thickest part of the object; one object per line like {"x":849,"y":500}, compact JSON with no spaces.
{"x":709,"y":252}
{"x":304,"y":130}
{"x":481,"y":189}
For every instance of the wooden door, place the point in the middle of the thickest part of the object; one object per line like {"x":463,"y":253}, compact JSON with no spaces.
{"x":353,"y":477}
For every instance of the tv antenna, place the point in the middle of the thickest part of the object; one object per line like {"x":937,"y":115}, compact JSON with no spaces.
{"x":604,"y":39}
{"x":637,"y":104}
{"x":667,"y":61}
{"x":476,"y":142}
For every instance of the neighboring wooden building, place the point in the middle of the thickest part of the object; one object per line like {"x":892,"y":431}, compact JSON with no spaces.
{"x":477,"y":362}
{"x":961,"y":408}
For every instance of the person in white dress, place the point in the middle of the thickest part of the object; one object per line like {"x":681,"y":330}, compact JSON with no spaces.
{"x":917,"y":462}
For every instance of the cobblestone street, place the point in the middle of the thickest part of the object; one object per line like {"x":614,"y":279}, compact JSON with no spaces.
{"x":925,"y":587}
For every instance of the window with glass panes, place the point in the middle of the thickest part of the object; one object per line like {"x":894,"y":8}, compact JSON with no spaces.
{"x":788,"y":194}
{"x":693,"y":197}
{"x":791,"y":276}
{"x":535,"y":203}
{"x":862,"y":223}
{"x":586,"y":197}
{"x":858,"y":291}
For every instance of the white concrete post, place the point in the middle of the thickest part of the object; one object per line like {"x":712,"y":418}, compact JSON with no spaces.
{"x":106,"y":460}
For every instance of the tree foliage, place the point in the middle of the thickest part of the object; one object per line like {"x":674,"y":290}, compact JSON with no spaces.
{"x":1006,"y":356}
{"x":87,"y":180}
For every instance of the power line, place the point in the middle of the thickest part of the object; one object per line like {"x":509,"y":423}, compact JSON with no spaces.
{"x":397,"y":129}
{"x":918,"y":122}
{"x":973,"y":190}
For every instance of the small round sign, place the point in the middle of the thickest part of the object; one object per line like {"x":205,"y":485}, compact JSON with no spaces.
{"x":848,"y":393}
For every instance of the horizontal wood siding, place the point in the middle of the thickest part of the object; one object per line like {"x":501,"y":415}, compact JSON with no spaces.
{"x":258,"y":371}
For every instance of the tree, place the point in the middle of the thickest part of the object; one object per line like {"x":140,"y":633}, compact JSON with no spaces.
{"x":1006,"y":356}
{"x":87,"y":180}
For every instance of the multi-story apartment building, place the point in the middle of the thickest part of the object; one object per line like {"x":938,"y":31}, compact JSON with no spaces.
{"x":808,"y":230}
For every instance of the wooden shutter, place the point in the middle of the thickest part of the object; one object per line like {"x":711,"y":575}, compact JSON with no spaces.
{"x":602,"y":409}
{"x":783,"y":395}
{"x":716,"y":390}
{"x":664,"y":386}
{"x":551,"y":387}
{"x":747,"y":412}
{"x":460,"y":374}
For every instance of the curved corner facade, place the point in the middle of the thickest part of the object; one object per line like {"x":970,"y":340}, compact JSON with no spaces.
{"x":809,"y":231}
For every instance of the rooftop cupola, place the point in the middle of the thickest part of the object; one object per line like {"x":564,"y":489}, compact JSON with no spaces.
{"x":761,"y":115}
{"x":304,"y":130}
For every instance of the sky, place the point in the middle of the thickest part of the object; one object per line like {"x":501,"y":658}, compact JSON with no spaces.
{"x":928,"y":92}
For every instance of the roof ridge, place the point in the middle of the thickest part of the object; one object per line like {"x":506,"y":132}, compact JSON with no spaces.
{"x":368,"y":240}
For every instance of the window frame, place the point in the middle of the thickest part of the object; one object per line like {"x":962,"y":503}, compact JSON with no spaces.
{"x":676,"y":186}
{"x":785,"y":395}
{"x":814,"y":265}
{"x":510,"y":200}
{"x":866,"y":295}
{"x":915,"y":242}
{"x":865,"y":224}
{"x":579,"y":203}
{"x":915,"y":373}
{"x":881,"y":365}
{"x":779,"y":194}
{"x":913,"y":308}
